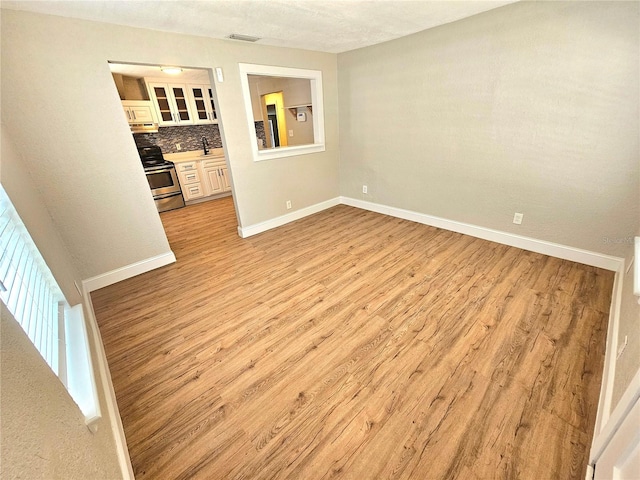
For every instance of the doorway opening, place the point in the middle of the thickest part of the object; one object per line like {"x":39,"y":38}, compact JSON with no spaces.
{"x":175,"y":111}
{"x":276,"y":125}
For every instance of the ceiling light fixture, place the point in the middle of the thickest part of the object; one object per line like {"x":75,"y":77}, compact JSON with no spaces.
{"x":171,"y":70}
{"x":243,"y":38}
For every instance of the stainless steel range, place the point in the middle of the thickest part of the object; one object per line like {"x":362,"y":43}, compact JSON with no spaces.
{"x":162,"y":178}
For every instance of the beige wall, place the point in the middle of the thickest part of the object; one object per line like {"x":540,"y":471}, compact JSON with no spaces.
{"x":531,"y":108}
{"x":256,"y":107}
{"x":33,"y":211}
{"x":298,"y":92}
{"x":43,"y":431}
{"x":64,"y":112}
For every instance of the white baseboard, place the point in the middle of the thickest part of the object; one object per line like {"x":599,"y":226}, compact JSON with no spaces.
{"x":564,"y":252}
{"x":250,"y":230}
{"x":106,"y":385}
{"x":128,"y":271}
{"x":557,"y":250}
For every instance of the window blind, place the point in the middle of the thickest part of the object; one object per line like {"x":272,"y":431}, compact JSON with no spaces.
{"x":29,"y":290}
{"x":32,"y":295}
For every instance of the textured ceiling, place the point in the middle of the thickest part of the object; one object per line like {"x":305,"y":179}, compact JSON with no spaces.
{"x":329,"y":26}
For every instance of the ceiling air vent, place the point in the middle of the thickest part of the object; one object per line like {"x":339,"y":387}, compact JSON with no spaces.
{"x":244,"y":38}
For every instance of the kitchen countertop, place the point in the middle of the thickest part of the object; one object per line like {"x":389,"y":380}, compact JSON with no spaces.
{"x":190,"y":156}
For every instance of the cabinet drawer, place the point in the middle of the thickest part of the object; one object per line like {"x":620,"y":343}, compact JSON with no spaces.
{"x":218,"y":162}
{"x":187,"y":166}
{"x":192,"y":191}
{"x":188,"y":177}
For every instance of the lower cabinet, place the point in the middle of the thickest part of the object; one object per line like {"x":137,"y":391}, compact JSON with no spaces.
{"x":226,"y":182}
{"x":217,"y":175}
{"x":213,"y":177}
{"x":203,"y":178}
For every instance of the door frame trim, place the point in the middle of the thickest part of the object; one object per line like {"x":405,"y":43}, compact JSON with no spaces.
{"x":624,"y":406}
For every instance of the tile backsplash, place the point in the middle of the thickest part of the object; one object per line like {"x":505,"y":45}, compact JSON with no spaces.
{"x":260,"y":134}
{"x":189,"y":137}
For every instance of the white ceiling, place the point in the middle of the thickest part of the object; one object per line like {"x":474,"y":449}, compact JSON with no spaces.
{"x":325,"y":25}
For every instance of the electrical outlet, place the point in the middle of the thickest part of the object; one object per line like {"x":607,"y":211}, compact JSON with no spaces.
{"x":291,"y":133}
{"x":178,"y":146}
{"x":364,"y":189}
{"x":288,"y":204}
{"x":517,"y":218}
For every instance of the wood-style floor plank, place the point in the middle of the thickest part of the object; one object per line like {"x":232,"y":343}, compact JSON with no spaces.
{"x":354,"y":345}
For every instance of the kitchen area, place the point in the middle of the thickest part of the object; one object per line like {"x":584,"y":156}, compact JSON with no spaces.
{"x":174,"y":122}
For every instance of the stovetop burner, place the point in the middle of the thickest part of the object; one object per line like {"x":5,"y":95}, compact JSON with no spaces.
{"x":152,"y":158}
{"x":151,"y":167}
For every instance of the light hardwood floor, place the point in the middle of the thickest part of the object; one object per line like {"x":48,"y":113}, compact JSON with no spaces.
{"x":356,"y":346}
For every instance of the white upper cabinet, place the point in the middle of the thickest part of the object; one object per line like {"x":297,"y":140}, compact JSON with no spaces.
{"x":202,"y":105}
{"x":139,"y":111}
{"x":172,"y":103}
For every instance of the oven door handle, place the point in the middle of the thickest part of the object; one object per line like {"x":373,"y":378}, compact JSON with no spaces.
{"x":162,"y":170}
{"x":167,"y":195}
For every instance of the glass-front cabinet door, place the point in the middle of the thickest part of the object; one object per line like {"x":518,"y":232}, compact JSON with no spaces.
{"x":171,"y":103}
{"x":214,"y":115}
{"x":182,"y":107}
{"x":161,"y":97}
{"x":202,"y":104}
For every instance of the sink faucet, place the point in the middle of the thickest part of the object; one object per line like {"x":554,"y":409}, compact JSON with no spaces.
{"x":205,"y":145}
